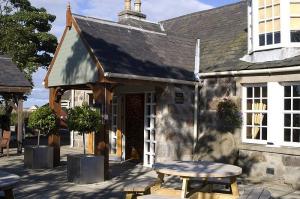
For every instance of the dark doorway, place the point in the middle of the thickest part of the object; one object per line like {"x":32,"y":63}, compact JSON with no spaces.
{"x":134,"y":132}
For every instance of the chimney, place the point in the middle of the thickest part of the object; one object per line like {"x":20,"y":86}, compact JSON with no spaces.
{"x":69,"y":16}
{"x":128,"y":13}
{"x":138,"y":6}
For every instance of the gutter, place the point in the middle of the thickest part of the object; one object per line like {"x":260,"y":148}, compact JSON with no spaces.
{"x":156,"y":79}
{"x":251,"y":72}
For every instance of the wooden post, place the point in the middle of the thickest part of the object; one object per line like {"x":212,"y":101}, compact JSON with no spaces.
{"x":234,"y":187}
{"x":54,"y":139}
{"x":20,"y":125}
{"x":104,"y":96}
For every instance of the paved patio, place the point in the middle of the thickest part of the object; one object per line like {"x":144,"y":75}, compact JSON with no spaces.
{"x":53,"y":183}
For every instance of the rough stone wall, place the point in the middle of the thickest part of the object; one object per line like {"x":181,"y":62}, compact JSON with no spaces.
{"x":174,"y":124}
{"x":273,"y":166}
{"x":213,"y":144}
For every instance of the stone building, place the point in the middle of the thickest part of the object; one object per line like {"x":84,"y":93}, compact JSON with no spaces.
{"x":166,"y":79}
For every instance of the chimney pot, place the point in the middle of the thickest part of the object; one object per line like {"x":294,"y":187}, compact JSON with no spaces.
{"x":128,"y":5}
{"x":138,"y":6}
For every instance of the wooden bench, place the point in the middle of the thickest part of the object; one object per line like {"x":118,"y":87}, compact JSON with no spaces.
{"x":248,"y":194}
{"x":139,"y":187}
{"x":4,"y":141}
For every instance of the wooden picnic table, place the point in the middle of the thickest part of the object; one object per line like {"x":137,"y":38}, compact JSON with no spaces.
{"x":7,"y":183}
{"x":188,"y":170}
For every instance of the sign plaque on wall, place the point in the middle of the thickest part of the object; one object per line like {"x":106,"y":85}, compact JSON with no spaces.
{"x":179,"y":98}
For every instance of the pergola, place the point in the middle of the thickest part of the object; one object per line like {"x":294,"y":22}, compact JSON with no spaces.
{"x":13,"y":87}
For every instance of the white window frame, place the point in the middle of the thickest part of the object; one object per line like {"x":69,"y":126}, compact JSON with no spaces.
{"x":284,"y":143}
{"x":285,"y":29}
{"x":245,"y":112}
{"x":275,"y":111}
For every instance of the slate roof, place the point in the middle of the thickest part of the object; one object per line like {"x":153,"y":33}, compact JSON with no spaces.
{"x":10,"y":75}
{"x":146,"y":25}
{"x":139,"y":51}
{"x":223,"y":34}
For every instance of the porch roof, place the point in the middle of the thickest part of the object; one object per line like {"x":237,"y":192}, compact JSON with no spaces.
{"x":12,"y":80}
{"x":146,"y":51}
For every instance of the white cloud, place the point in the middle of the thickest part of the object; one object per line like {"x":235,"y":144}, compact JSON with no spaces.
{"x":155,"y":10}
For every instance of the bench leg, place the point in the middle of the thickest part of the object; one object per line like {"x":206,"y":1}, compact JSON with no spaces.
{"x":160,"y":177}
{"x":185,"y":182}
{"x":234,"y":187}
{"x":8,"y":194}
{"x":130,"y":196}
{"x":7,"y":151}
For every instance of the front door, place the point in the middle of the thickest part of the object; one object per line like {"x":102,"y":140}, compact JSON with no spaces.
{"x":134,"y":127}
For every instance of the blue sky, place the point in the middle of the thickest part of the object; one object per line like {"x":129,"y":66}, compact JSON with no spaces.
{"x":108,"y":9}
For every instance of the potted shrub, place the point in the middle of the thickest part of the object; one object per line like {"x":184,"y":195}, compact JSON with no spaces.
{"x":40,"y":157}
{"x":84,"y":169}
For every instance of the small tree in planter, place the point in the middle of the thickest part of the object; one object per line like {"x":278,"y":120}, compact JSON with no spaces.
{"x":40,"y":157}
{"x":43,"y":120}
{"x":84,"y":120}
{"x":84,"y":169}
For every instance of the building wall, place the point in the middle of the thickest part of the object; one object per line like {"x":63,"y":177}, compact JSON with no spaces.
{"x":257,"y":160}
{"x":174,"y":123}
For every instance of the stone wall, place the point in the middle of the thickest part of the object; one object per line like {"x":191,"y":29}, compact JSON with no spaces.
{"x":213,"y":144}
{"x":267,"y":164}
{"x":175,"y":123}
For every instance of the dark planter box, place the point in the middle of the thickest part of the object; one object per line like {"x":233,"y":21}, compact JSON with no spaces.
{"x":85,"y":169}
{"x":38,"y":157}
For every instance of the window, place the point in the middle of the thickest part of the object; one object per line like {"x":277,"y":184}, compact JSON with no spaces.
{"x":256,"y":116}
{"x":292,"y":114}
{"x":113,"y":134}
{"x":269,"y":22}
{"x":295,"y":20}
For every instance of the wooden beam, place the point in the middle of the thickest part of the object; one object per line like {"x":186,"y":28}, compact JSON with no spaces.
{"x":54,"y":139}
{"x":20,"y":125}
{"x":10,"y":89}
{"x":103,"y":96}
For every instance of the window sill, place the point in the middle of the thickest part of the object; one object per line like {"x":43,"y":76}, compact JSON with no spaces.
{"x":269,"y":149}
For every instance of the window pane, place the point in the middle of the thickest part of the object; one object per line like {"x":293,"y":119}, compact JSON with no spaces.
{"x":256,"y":133}
{"x":262,"y":40}
{"x":277,"y":37}
{"x":264,"y":120}
{"x":287,"y":120}
{"x":261,"y":3}
{"x":257,"y":104}
{"x":249,"y":92}
{"x":295,"y":23}
{"x":268,"y":2}
{"x":287,"y":135}
{"x":249,"y":118}
{"x":295,"y":36}
{"x":264,"y":91}
{"x":269,"y":26}
{"x":287,"y":104}
{"x":249,"y":132}
{"x":296,"y":120}
{"x":296,"y":91}
{"x":296,"y":135}
{"x":264,"y":105}
{"x":261,"y":14}
{"x":287,"y":91}
{"x":249,"y":104}
{"x":295,"y":7}
{"x":264,"y":134}
{"x":277,"y":11}
{"x":269,"y":38}
{"x":257,"y":92}
{"x":296,"y":105}
{"x":269,"y":12}
{"x":276,"y":25}
{"x":262,"y":27}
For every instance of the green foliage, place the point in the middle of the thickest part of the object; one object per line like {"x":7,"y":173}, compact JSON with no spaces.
{"x":24,"y":35}
{"x":84,"y":120}
{"x":229,"y":116}
{"x":43,"y":119}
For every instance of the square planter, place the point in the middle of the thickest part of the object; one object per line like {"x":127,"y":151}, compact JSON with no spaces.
{"x":38,"y":157}
{"x":85,"y":169}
